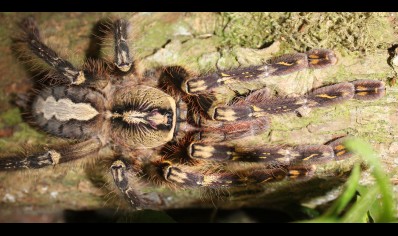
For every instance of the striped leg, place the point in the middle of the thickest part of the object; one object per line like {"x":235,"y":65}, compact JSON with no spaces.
{"x":190,"y":176}
{"x":226,"y":164}
{"x":128,"y":183}
{"x":51,"y":157}
{"x":123,"y":59}
{"x":270,"y":155}
{"x":259,"y":106}
{"x":31,"y":47}
{"x":286,"y":64}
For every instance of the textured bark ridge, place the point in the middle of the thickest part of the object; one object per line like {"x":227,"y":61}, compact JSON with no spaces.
{"x":196,"y":42}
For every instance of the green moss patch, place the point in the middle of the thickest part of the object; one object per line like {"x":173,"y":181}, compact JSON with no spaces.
{"x":349,"y":32}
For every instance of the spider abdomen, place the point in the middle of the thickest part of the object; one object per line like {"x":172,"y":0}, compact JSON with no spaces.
{"x":68,"y":111}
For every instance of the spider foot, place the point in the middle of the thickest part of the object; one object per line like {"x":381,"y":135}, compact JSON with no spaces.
{"x":338,"y":93}
{"x":128,"y":184}
{"x":187,"y":176}
{"x":123,"y":59}
{"x":369,"y":89}
{"x":30,"y":47}
{"x":51,"y":157}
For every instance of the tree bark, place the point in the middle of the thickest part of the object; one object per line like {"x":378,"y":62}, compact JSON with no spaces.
{"x":194,"y":41}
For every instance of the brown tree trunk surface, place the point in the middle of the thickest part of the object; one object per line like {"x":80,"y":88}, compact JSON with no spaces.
{"x":203,"y":42}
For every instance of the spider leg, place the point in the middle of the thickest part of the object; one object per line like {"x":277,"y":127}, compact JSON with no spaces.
{"x":325,"y":96}
{"x":267,"y":164}
{"x":278,"y":66}
{"x":128,"y":183}
{"x":30,"y":46}
{"x":215,"y":131}
{"x":368,"y":89}
{"x":123,"y":59}
{"x":52,"y":156}
{"x":270,"y":155}
{"x":190,"y":176}
{"x":339,"y":149}
{"x":282,"y":155}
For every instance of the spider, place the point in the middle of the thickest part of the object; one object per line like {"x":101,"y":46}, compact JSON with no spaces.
{"x":167,"y":126}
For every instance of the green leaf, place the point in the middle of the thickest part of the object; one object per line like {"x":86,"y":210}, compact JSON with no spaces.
{"x":349,"y":192}
{"x":358,"y":212}
{"x":383,"y":185}
{"x":376,"y":201}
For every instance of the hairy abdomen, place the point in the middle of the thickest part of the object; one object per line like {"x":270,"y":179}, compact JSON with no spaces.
{"x":68,"y":111}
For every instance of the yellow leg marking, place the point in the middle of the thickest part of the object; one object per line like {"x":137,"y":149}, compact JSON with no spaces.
{"x":204,"y":152}
{"x":313,"y":56}
{"x":325,"y":96}
{"x":208,"y":180}
{"x":195,"y":86}
{"x":226,"y":114}
{"x":178,"y":177}
{"x":266,"y":180}
{"x":55,"y":156}
{"x":362,"y":93}
{"x":118,"y":163}
{"x":284,"y":63}
{"x":198,"y":89}
{"x":167,"y":162}
{"x":224,"y":75}
{"x":315,"y":61}
{"x":294,"y":173}
{"x":341,"y":153}
{"x":256,"y":108}
{"x":311,"y":156}
{"x":80,"y":78}
{"x":361,"y":88}
{"x":197,"y":83}
{"x":339,"y":147}
{"x":225,"y":79}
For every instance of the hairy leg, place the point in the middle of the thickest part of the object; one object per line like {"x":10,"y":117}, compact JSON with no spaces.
{"x":123,"y":59}
{"x":129,"y":184}
{"x":259,"y":106}
{"x":31,"y":47}
{"x":270,"y":155}
{"x":278,"y":66}
{"x":225,"y":165}
{"x":191,"y":176}
{"x":52,"y":156}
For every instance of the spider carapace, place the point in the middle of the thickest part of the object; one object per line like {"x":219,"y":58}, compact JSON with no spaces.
{"x":106,"y":104}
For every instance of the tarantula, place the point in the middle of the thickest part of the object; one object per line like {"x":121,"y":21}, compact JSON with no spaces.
{"x":176,"y":116}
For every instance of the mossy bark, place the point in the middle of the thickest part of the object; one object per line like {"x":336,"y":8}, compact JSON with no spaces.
{"x":202,"y":42}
